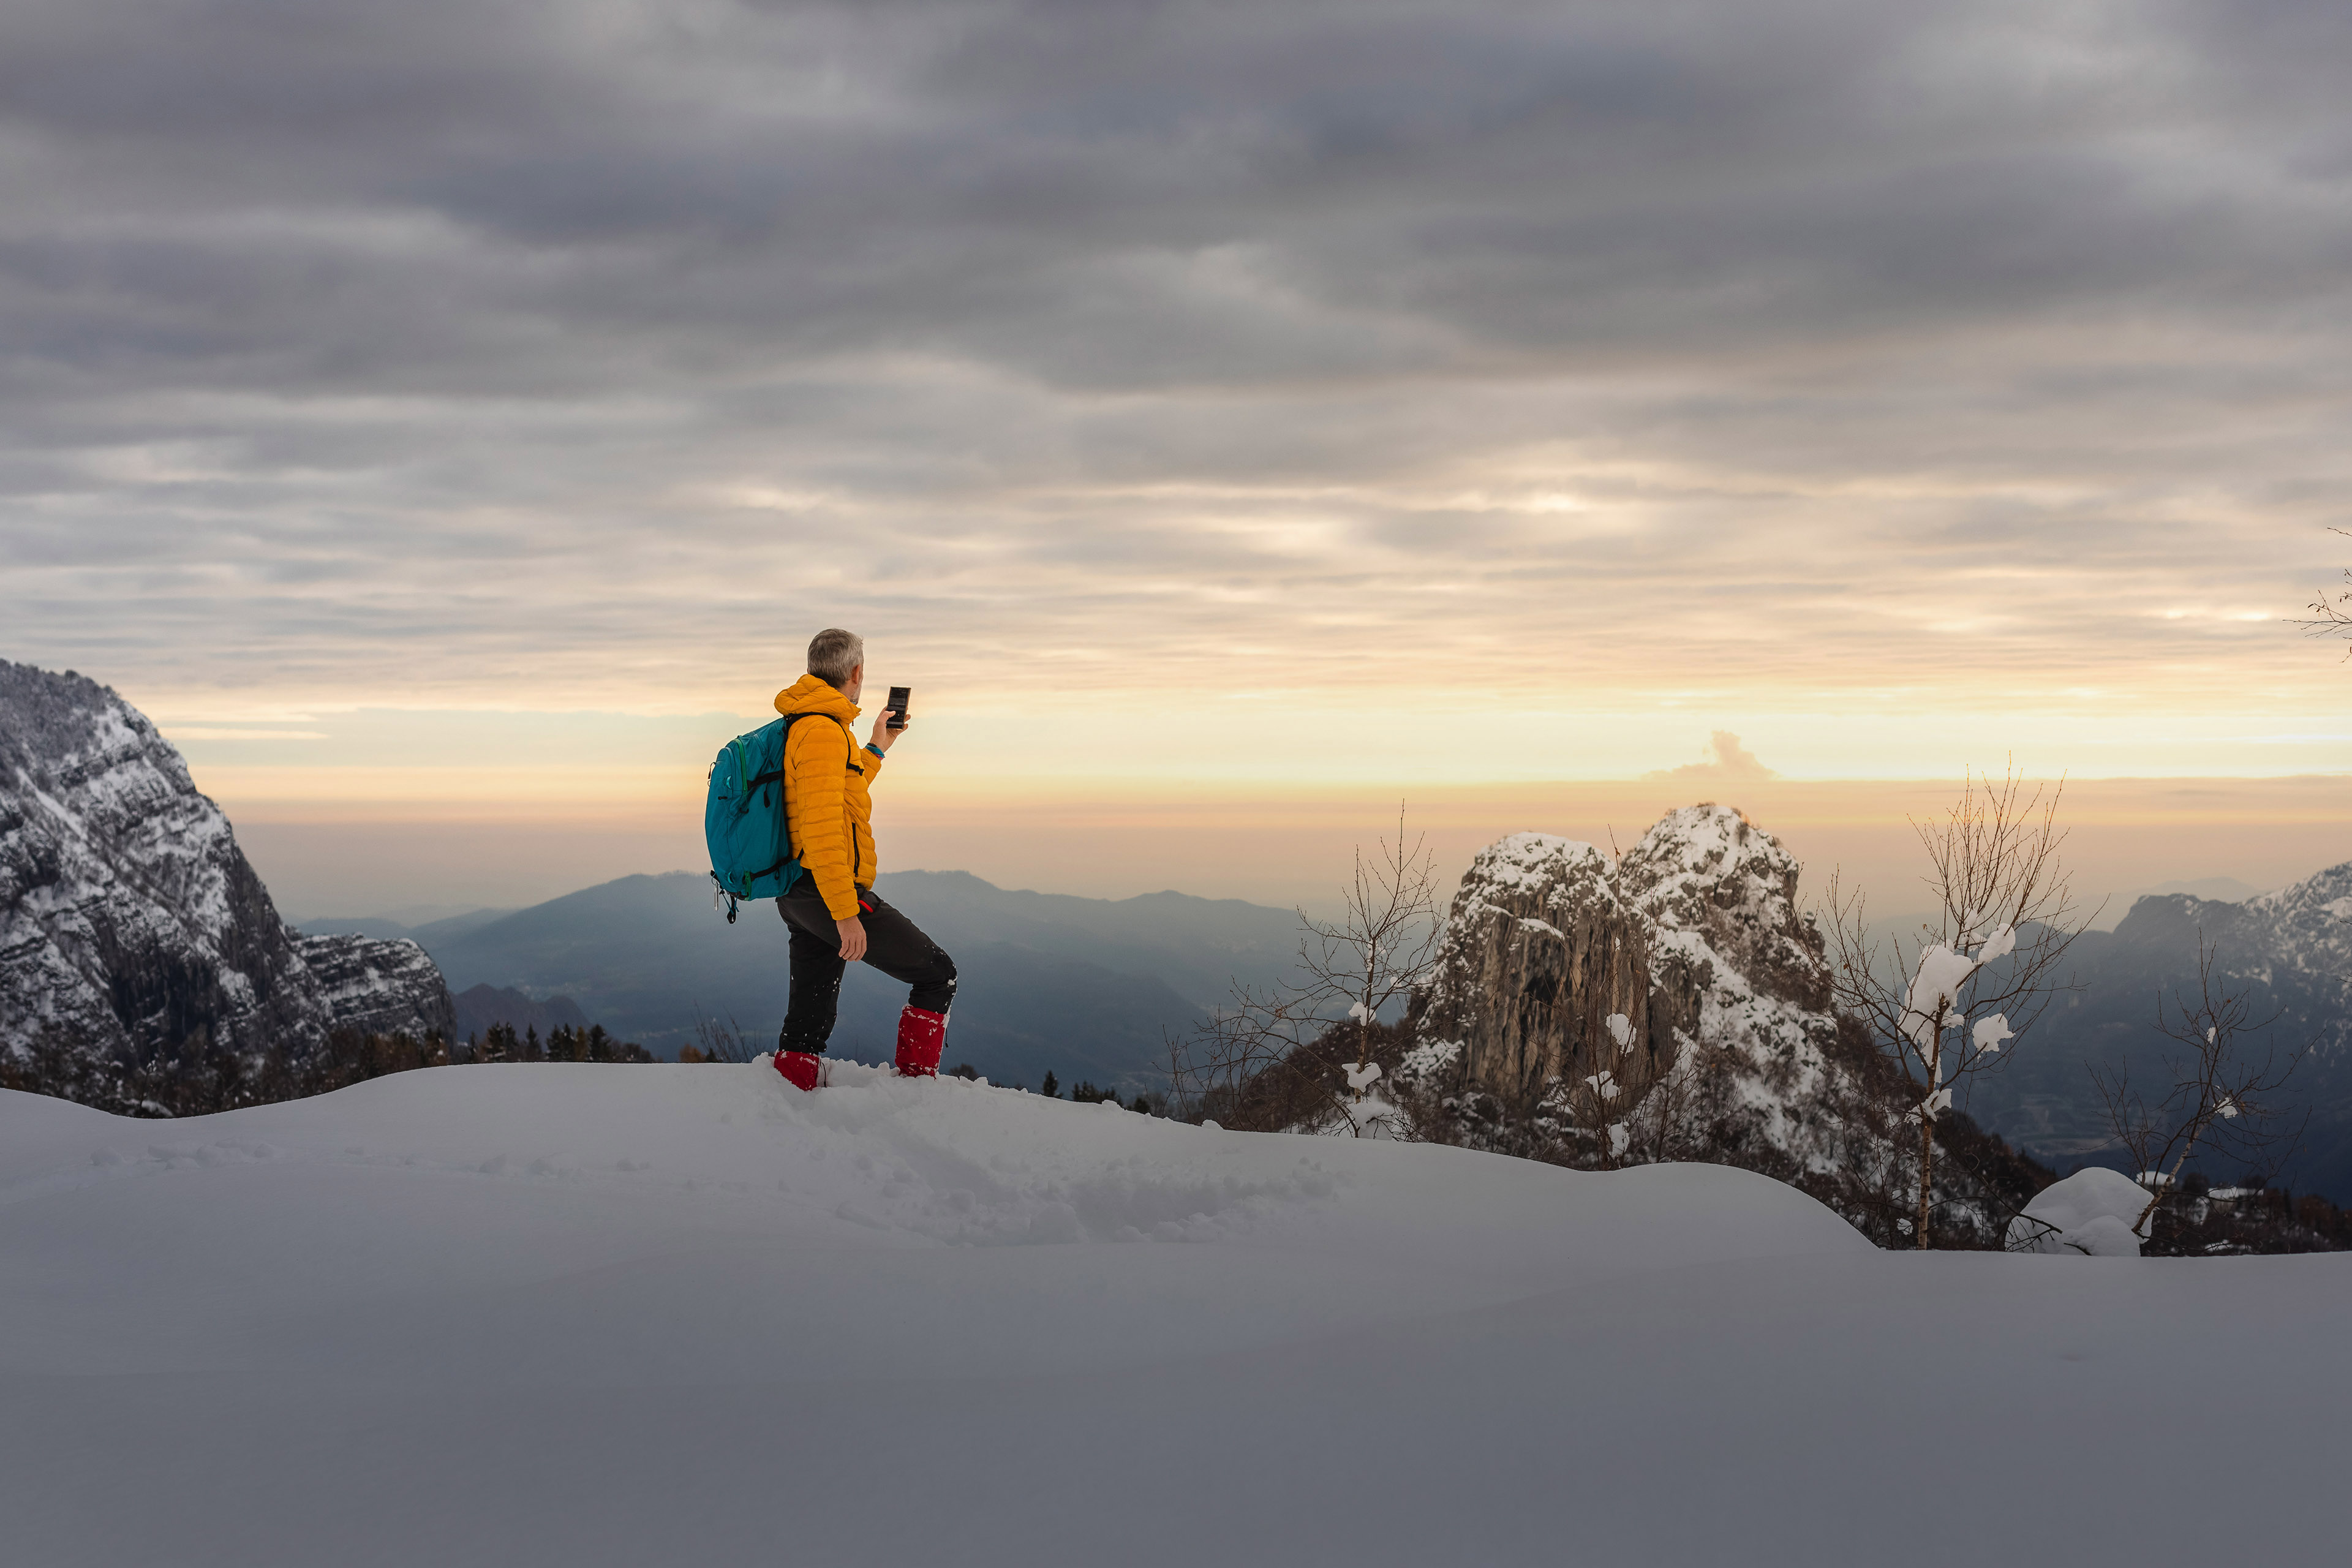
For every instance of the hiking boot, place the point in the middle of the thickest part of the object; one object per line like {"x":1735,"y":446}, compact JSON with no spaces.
{"x":922,"y":1036}
{"x":801,"y":1069}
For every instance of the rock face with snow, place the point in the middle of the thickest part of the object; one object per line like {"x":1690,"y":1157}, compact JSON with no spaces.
{"x":132,"y":927}
{"x":1693,"y":938}
{"x":1728,"y":891}
{"x":379,"y":986}
{"x":131,"y":923}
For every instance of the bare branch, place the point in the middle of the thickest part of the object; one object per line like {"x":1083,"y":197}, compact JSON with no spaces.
{"x":1947,"y":1004}
{"x":2218,"y":1096}
{"x":2331,"y":612}
{"x":1352,"y":970}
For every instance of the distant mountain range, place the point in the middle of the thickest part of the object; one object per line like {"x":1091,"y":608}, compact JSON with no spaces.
{"x":1085,"y":988}
{"x":394,"y":928}
{"x":2291,"y":951}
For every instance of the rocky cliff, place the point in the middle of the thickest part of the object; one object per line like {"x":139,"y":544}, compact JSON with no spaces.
{"x":1693,"y":943}
{"x":1541,"y":948}
{"x":132,"y":930}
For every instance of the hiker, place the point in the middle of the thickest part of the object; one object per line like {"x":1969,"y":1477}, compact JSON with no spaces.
{"x":835,"y":915}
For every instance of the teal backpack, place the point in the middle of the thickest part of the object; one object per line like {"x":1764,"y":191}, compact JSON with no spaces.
{"x":743,"y":819}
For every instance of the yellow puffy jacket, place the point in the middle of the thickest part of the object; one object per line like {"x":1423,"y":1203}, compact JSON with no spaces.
{"x":826,"y":808}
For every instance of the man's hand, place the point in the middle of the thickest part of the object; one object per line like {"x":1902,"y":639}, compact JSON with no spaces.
{"x":883,"y":733}
{"x":853,"y":939}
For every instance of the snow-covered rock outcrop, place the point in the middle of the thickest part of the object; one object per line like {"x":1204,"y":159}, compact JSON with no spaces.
{"x":1692,"y":940}
{"x":131,"y":926}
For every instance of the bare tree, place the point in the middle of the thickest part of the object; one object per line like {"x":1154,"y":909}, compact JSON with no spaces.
{"x":1608,"y":1117}
{"x":1267,"y":1056}
{"x":1250,"y":1063}
{"x":1946,"y":1002}
{"x":2216,"y":1096}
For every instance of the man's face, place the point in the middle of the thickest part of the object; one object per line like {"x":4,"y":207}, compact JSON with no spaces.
{"x":855,"y":683}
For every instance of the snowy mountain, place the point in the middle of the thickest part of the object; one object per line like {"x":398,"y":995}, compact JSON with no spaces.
{"x":1674,"y":993}
{"x":132,"y":923}
{"x":627,"y":1315}
{"x":132,"y":930}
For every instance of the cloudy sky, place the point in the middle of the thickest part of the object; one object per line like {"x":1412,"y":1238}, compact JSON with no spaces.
{"x":408,"y":403}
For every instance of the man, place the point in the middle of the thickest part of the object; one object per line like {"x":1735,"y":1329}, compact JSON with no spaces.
{"x":836,"y":916}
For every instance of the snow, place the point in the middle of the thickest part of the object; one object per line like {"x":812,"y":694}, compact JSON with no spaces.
{"x":1531,"y":860}
{"x":2089,"y":1214}
{"x":1932,"y":1006}
{"x":1934,"y":986}
{"x":593,"y":1315}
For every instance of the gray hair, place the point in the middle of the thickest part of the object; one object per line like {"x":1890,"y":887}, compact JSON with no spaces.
{"x":834,"y":653}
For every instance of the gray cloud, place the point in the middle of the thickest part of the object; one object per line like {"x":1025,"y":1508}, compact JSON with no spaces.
{"x":489,"y":348}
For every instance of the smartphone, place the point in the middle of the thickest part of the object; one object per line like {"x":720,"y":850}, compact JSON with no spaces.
{"x":897,"y":706}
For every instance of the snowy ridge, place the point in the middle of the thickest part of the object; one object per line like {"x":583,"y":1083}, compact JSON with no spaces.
{"x":1524,"y":862}
{"x":2306,"y":929}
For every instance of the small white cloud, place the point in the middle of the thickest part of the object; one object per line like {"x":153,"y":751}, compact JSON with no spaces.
{"x":1733,"y":763}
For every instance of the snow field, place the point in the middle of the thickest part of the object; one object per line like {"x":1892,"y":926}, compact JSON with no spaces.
{"x":587,"y":1314}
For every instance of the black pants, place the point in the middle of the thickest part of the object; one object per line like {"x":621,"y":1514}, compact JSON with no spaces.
{"x":893,"y":945}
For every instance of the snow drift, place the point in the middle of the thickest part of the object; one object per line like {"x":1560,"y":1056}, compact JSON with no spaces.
{"x":585,"y":1315}
{"x":2089,"y":1215}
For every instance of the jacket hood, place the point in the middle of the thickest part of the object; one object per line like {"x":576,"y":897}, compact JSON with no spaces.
{"x":810,"y":694}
